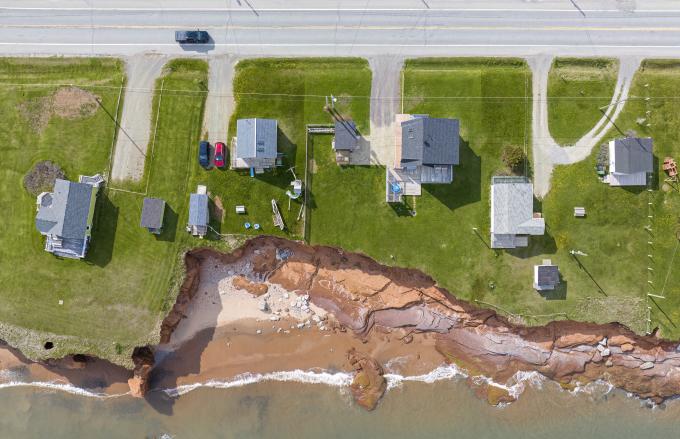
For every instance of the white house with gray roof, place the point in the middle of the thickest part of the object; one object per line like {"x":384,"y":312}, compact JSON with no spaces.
{"x":65,"y":216}
{"x":630,"y":160}
{"x":512,"y":212}
{"x":256,"y":144}
{"x":426,"y":150}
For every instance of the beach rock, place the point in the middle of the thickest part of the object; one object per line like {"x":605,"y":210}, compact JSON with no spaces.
{"x":609,"y":363}
{"x":494,"y":395}
{"x":646,"y":365}
{"x":606,"y":352}
{"x":368,"y":385}
{"x":254,"y":288}
{"x":569,"y":340}
{"x":264,"y":306}
{"x":627,"y":347}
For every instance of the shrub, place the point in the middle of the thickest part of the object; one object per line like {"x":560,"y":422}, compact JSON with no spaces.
{"x":42,"y":177}
{"x":514,"y":158}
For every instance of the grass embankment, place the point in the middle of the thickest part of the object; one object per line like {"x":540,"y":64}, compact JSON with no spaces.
{"x":577,"y":89}
{"x":492,"y":99}
{"x":115,"y":298}
{"x":614,"y":234}
{"x":293,"y":92}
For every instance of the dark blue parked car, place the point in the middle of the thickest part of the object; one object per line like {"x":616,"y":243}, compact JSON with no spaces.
{"x":204,"y":154}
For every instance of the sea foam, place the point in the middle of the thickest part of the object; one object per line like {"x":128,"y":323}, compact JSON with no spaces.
{"x":335,"y":379}
{"x":62,"y":387}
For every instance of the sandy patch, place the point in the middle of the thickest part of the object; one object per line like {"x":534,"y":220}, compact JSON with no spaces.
{"x":223,"y":298}
{"x":74,"y":103}
{"x":67,"y":102}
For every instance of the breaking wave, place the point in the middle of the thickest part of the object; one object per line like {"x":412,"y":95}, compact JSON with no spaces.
{"x":335,"y":379}
{"x":62,"y":387}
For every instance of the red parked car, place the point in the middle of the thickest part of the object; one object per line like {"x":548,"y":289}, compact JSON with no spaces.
{"x":219,"y":154}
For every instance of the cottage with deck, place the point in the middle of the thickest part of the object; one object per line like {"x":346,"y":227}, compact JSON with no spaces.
{"x":345,"y":142}
{"x":65,"y":216}
{"x":630,"y":160}
{"x":546,"y":276}
{"x":426,"y":149}
{"x":198,"y":212}
{"x":153,"y":211}
{"x":512,"y":215}
{"x":256,"y":145}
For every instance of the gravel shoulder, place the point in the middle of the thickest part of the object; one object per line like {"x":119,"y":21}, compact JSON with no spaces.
{"x":135,"y":123}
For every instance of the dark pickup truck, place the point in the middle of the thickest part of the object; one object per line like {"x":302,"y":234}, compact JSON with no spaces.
{"x":192,"y":36}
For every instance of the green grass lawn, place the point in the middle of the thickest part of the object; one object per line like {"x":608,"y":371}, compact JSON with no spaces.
{"x":614,"y":279}
{"x":115,"y":298}
{"x":613,"y":235}
{"x":577,"y":88}
{"x":293,"y":92}
{"x":492,"y":99}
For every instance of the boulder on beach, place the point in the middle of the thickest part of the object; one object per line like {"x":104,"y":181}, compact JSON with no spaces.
{"x":368,"y":385}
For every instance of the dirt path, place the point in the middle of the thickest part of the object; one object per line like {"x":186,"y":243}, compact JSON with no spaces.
{"x":385,"y":104}
{"x":546,"y":152}
{"x":219,"y":104}
{"x":135,"y":123}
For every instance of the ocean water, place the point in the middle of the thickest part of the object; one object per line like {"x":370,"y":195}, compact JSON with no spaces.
{"x":275,"y":409}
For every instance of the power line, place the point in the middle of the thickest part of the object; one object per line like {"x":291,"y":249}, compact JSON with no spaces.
{"x":302,"y":95}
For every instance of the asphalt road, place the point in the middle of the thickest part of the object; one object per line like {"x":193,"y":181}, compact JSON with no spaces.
{"x":350,"y":27}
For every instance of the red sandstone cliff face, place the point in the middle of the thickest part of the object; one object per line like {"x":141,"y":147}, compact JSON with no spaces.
{"x":364,"y":295}
{"x":143,"y":358}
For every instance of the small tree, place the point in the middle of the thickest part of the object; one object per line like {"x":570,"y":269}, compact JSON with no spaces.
{"x":513,"y":156}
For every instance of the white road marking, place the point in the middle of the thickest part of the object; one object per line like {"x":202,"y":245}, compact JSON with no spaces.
{"x":353,"y":27}
{"x":249,"y":11}
{"x":197,"y":46}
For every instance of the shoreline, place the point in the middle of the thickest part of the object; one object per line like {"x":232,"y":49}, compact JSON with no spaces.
{"x":277,"y":309}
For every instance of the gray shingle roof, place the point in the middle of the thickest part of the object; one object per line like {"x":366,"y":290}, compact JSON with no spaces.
{"x":346,"y":137}
{"x":547,"y":276}
{"x":68,"y":212}
{"x":633,"y":155}
{"x":512,"y":207}
{"x":430,"y":141}
{"x":256,"y":138}
{"x":152,"y":213}
{"x":198,"y":210}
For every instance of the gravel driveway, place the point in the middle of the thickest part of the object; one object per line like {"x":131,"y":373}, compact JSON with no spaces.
{"x":219,"y":104}
{"x":385,"y":104}
{"x":546,"y":152}
{"x":135,"y":122}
